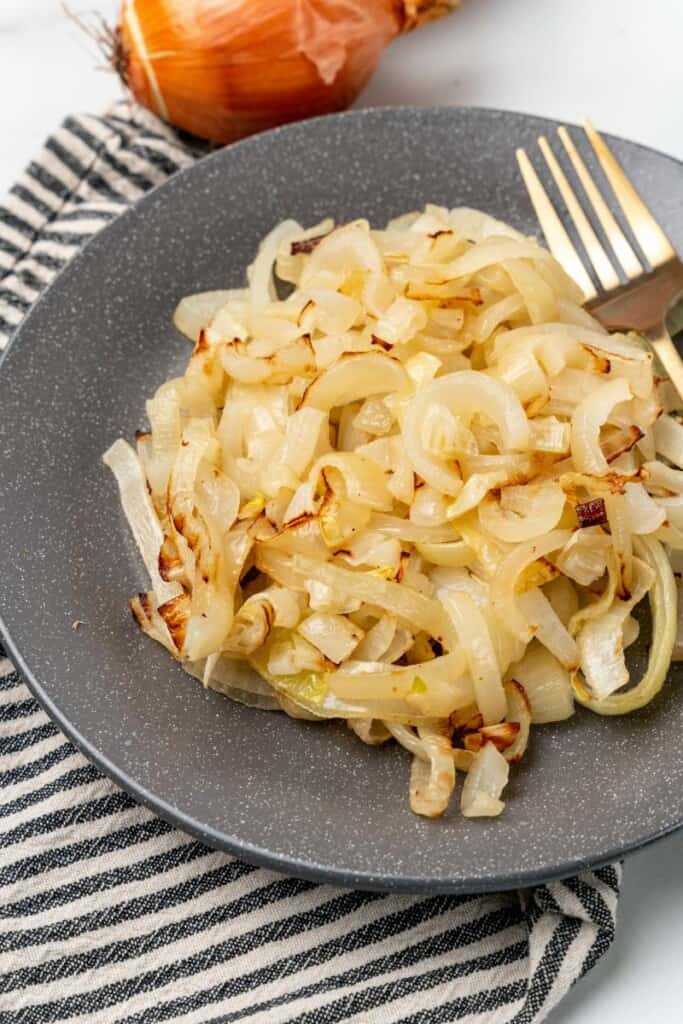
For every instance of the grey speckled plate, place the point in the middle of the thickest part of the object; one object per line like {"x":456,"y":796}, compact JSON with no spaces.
{"x":307,"y":799}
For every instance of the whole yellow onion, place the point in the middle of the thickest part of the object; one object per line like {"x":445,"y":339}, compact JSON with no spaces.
{"x":223,"y":69}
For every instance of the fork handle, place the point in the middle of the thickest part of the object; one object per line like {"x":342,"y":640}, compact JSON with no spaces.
{"x":668,"y":355}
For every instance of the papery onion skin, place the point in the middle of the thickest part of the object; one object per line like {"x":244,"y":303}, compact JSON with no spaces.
{"x":223,"y":71}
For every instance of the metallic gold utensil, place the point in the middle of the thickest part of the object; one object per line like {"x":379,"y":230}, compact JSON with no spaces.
{"x":632,"y":293}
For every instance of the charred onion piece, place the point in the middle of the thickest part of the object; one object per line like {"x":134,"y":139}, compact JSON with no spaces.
{"x":592,"y":513}
{"x":305,"y":245}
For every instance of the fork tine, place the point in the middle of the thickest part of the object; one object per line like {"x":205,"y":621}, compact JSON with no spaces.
{"x":597,"y":255}
{"x":557,"y":238}
{"x":647,"y":231}
{"x":617,"y":239}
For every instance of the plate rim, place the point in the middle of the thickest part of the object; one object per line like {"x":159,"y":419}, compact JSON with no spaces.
{"x":247,"y":851}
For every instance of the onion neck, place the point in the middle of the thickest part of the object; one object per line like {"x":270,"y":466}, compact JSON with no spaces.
{"x":414,"y":13}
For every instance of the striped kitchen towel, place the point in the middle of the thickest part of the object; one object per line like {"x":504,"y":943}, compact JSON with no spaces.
{"x":109,"y":915}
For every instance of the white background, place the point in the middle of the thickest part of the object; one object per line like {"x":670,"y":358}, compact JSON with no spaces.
{"x":621,"y":62}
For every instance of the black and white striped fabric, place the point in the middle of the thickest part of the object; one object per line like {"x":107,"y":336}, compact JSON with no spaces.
{"x":110,"y":915}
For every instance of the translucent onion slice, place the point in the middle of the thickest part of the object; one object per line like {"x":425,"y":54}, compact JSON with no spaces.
{"x":519,"y":713}
{"x":254,"y":621}
{"x":302,"y":503}
{"x":334,"y":635}
{"x":601,"y":641}
{"x":402,"y":642}
{"x":152,"y":624}
{"x":260,"y":272}
{"x":429,"y":507}
{"x":437,"y":687}
{"x":432,"y":780}
{"x":539,"y":297}
{"x":370,"y":730}
{"x":349,"y":437}
{"x":163,"y":413}
{"x":490,"y":553}
{"x":597,"y":606}
{"x":465,"y":394}
{"x":622,"y":540}
{"x":421,"y":612}
{"x":306,"y":436}
{"x":588,"y":417}
{"x":663,"y":606}
{"x":408,"y":739}
{"x":546,"y":683}
{"x":584,"y":558}
{"x":672,"y":507}
{"x":455,"y":554}
{"x":213,"y":594}
{"x":292,"y":655}
{"x":195,"y":312}
{"x":340,"y":519}
{"x":563,"y":597}
{"x":354,"y":377}
{"x":548,"y":628}
{"x":522,"y":371}
{"x":236,"y":680}
{"x":292,"y":255}
{"x":644,"y":514}
{"x":523,"y":513}
{"x":372,"y":548}
{"x":541,"y":338}
{"x":484,"y":785}
{"x":495,"y":250}
{"x":218,"y":495}
{"x":668,"y":434}
{"x":349,"y":247}
{"x":444,"y":435}
{"x":245,"y":364}
{"x":374,"y":417}
{"x":401,"y":321}
{"x":548,"y":434}
{"x":662,"y":476}
{"x":363,"y":481}
{"x":503,"y":597}
{"x":329,"y":311}
{"x":377,"y":639}
{"x":393,"y":526}
{"x":474,"y":636}
{"x":477,"y":225}
{"x":138,"y":510}
{"x":473,"y":492}
{"x":507,"y":308}
{"x":402,"y":481}
{"x":460,"y":580}
{"x":671,"y":536}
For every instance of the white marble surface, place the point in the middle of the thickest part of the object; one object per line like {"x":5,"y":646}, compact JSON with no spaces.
{"x":621,"y":62}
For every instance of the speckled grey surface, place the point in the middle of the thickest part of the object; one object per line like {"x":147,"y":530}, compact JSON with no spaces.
{"x":307,"y":799}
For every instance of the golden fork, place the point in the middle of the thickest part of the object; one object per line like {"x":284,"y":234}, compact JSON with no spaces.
{"x":652,"y":285}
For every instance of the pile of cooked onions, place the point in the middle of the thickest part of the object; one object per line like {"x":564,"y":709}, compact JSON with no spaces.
{"x":423,"y":493}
